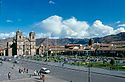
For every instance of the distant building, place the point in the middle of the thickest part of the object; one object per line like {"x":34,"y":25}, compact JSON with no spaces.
{"x":111,"y":49}
{"x":2,"y":52}
{"x":73,"y":46}
{"x":40,"y":49}
{"x":22,"y":45}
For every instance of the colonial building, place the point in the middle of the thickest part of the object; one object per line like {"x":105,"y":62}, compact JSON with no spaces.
{"x":40,"y":49}
{"x":22,"y":45}
{"x":111,"y":49}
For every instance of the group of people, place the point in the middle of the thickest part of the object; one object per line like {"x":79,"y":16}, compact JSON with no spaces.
{"x":37,"y":72}
{"x":24,"y":70}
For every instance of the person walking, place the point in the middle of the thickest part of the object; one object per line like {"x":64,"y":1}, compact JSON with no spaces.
{"x":42,"y":78}
{"x":35,"y":73}
{"x":27,"y":70}
{"x":9,"y":76}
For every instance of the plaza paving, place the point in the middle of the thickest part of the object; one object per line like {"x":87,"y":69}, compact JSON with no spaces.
{"x":25,"y":77}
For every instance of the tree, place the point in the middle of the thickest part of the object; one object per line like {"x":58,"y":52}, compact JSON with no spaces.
{"x":112,"y":62}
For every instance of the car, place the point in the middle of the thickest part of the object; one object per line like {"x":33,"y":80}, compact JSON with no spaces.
{"x":44,"y":70}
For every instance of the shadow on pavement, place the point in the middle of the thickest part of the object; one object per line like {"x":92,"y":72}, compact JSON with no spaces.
{"x":38,"y":79}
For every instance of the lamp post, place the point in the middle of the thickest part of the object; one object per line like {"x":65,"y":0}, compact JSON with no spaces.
{"x":47,"y":50}
{"x":89,"y":70}
{"x":89,"y":74}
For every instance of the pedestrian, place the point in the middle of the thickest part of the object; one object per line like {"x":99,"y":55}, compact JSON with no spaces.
{"x":30,"y":75}
{"x":42,"y":78}
{"x":27,"y":70}
{"x":24,"y":69}
{"x":13,"y":65}
{"x":20,"y":71}
{"x":35,"y":73}
{"x":9,"y":75}
{"x":62,"y":64}
{"x":39,"y":72}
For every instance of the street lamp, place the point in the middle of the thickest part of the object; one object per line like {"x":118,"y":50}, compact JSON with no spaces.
{"x":47,"y":50}
{"x":89,"y":70}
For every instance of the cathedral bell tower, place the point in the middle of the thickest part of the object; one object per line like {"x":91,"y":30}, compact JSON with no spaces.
{"x":19,"y":43}
{"x":32,"y":43}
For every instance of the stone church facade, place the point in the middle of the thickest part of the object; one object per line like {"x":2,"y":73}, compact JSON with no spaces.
{"x":22,"y":45}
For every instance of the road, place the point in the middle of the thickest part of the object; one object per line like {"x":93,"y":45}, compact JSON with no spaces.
{"x":69,"y":74}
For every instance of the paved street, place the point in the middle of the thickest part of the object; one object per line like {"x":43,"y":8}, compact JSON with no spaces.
{"x":7,"y":67}
{"x":25,"y":77}
{"x":72,"y":74}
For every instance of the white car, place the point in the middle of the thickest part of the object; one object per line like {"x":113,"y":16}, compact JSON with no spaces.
{"x":44,"y":70}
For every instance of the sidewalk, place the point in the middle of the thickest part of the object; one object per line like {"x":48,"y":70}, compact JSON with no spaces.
{"x":25,"y":77}
{"x":7,"y":67}
{"x":93,"y":70}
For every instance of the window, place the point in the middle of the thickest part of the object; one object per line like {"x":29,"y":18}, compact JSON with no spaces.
{"x":32,"y":37}
{"x":20,"y":37}
{"x":32,"y":47}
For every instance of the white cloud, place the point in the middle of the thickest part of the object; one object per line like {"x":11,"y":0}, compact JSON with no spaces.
{"x":52,"y":24}
{"x":119,"y":30}
{"x":51,"y":2}
{"x":99,"y":29}
{"x":43,"y":35}
{"x":7,"y":35}
{"x":121,"y":25}
{"x":118,"y":22}
{"x":9,"y":21}
{"x":56,"y":26}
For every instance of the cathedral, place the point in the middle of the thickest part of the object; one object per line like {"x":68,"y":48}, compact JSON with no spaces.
{"x":22,"y":45}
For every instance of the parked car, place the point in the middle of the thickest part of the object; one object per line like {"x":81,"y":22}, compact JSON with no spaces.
{"x":44,"y":70}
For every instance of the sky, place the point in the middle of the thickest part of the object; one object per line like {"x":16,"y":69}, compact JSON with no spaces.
{"x":62,"y":18}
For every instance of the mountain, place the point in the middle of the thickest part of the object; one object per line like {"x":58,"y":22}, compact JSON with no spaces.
{"x":3,"y":42}
{"x":106,"y":39}
{"x":60,"y":42}
{"x":63,"y":41}
{"x":111,"y":38}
